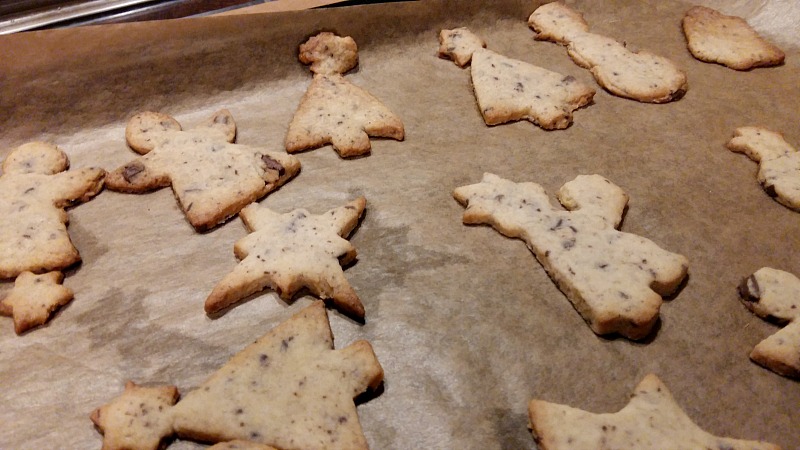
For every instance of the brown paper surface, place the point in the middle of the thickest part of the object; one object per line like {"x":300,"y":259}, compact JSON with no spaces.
{"x":465,"y":322}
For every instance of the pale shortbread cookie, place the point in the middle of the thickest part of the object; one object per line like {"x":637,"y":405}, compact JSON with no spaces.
{"x":728,"y":40}
{"x":615,"y":280}
{"x":459,"y":44}
{"x":775,"y":295}
{"x":139,"y":419}
{"x":557,"y":22}
{"x":779,"y":162}
{"x":35,"y":187}
{"x":34,"y":298}
{"x":335,"y":111}
{"x":329,"y":54}
{"x":288,"y":252}
{"x":651,"y":420}
{"x":509,"y":90}
{"x":290,"y":389}
{"x":640,"y":76}
{"x":212,"y":177}
{"x":241,"y":445}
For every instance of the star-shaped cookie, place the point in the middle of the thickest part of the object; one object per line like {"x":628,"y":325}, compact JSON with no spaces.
{"x":35,"y":187}
{"x":34,"y":298}
{"x":287,"y":252}
{"x":652,"y":420}
{"x":290,"y":389}
{"x":778,"y":162}
{"x":212,"y":178}
{"x":775,"y":295}
{"x":335,"y":111}
{"x":139,"y":419}
{"x":615,"y":280}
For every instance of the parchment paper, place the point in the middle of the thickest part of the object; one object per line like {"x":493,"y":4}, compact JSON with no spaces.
{"x":465,"y":322}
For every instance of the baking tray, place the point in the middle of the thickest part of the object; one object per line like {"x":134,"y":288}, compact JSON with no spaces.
{"x":465,"y":322}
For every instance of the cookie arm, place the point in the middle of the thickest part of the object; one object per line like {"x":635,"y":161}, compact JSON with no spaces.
{"x":136,"y":177}
{"x":344,"y":219}
{"x":76,"y":186}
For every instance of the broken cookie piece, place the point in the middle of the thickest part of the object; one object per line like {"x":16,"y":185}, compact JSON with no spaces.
{"x":615,"y":280}
{"x":774,"y":295}
{"x":778,"y":162}
{"x":459,"y":44}
{"x":728,"y":40}
{"x":335,"y":111}
{"x":212,"y":177}
{"x":287,"y":252}
{"x":651,"y":420}
{"x":509,"y":90}
{"x":290,"y":389}
{"x":139,"y":419}
{"x":34,"y":298}
{"x":640,"y":76}
{"x":329,"y":54}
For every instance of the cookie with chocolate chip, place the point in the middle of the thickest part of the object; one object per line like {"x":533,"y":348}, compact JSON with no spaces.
{"x":289,"y":389}
{"x":329,"y":54}
{"x":335,"y":111}
{"x":778,"y":162}
{"x":728,"y":40}
{"x":615,"y":280}
{"x":34,"y":298}
{"x":35,"y":189}
{"x":459,"y":44}
{"x":651,"y":420}
{"x":212,"y":177}
{"x":774,"y":295}
{"x":637,"y":75}
{"x":508,"y":90}
{"x":139,"y":419}
{"x":291,"y":251}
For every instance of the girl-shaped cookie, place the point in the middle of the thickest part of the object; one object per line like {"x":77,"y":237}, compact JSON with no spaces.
{"x":212,"y":178}
{"x":615,"y":280}
{"x":35,"y":187}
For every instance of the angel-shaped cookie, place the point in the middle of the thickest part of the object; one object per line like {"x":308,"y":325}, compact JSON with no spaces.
{"x":212,"y":178}
{"x":775,"y":295}
{"x":615,"y":280}
{"x":287,"y":252}
{"x":651,"y":420}
{"x":778,"y":162}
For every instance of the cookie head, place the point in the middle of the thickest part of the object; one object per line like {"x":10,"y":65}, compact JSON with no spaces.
{"x":329,"y":54}
{"x":36,"y":157}
{"x":147,"y":129}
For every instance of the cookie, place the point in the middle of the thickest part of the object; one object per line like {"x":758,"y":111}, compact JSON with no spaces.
{"x":615,"y":280}
{"x":779,"y":162}
{"x":35,"y":187}
{"x":290,"y":389}
{"x":640,"y":76}
{"x":288,"y":252}
{"x":329,"y":54}
{"x":212,"y":178}
{"x":509,"y":90}
{"x":459,"y":44}
{"x":139,"y":419}
{"x":651,"y":420}
{"x":774,"y":295}
{"x":34,"y":298}
{"x":557,"y":22}
{"x":335,"y":111}
{"x":728,"y":40}
{"x":240,"y":445}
